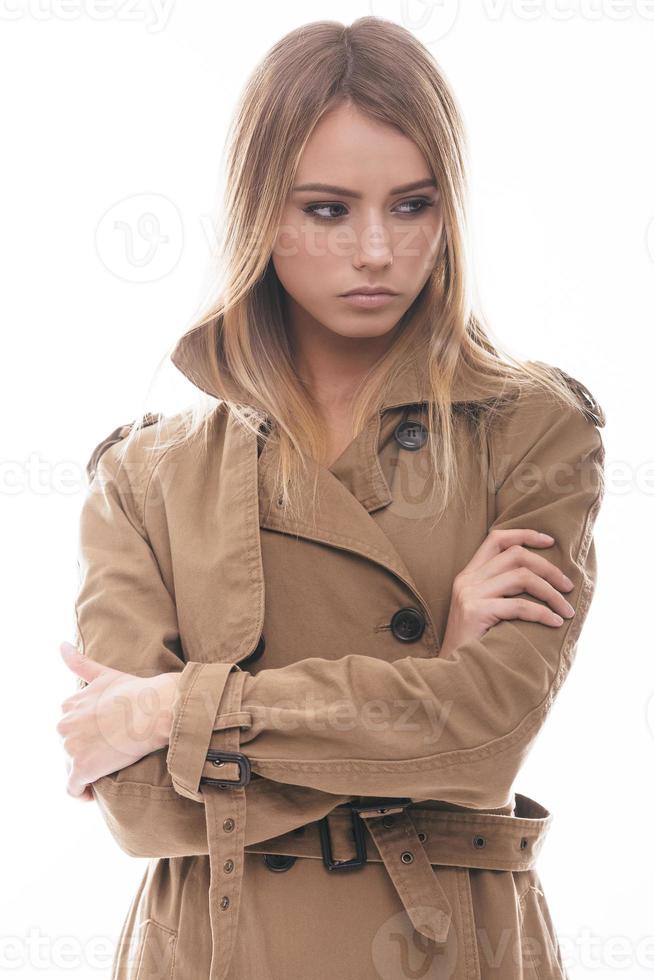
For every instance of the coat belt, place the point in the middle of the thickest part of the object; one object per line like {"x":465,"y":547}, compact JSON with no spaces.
{"x":408,"y":838}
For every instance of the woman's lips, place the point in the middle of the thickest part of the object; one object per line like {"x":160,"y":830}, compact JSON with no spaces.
{"x":368,"y":300}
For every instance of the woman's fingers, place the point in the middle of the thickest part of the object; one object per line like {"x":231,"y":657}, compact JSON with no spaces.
{"x":518,"y":558}
{"x":497,"y":541}
{"x":517,"y":580}
{"x":518,"y":570}
{"x":519,"y":608}
{"x":489,"y":588}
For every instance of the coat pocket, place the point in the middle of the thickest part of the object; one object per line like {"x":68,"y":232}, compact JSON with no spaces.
{"x":155,"y":952}
{"x":541,"y":956}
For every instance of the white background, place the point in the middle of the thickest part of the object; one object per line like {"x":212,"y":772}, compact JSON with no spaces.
{"x":105,"y":104}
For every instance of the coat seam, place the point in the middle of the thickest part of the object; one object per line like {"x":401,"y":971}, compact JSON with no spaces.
{"x":146,"y":491}
{"x":548,"y":941}
{"x":467,"y":915}
{"x":131,"y":787}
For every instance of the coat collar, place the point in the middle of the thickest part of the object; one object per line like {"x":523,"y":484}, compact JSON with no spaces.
{"x":408,"y":387}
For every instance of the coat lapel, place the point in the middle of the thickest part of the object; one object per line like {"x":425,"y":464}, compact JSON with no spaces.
{"x":341,"y":519}
{"x":344,"y":519}
{"x":246,"y":503}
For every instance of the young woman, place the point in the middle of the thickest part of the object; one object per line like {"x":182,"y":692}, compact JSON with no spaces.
{"x":323,"y":618}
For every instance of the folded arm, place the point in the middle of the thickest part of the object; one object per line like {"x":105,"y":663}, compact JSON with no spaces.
{"x":126,"y":618}
{"x":455,"y":729}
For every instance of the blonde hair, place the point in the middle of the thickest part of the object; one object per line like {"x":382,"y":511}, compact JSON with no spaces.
{"x":383,"y":70}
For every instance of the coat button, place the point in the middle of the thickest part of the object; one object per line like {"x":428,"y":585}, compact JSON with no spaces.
{"x":408,"y":624}
{"x":256,"y":653}
{"x":279,"y":862}
{"x":411,"y":435}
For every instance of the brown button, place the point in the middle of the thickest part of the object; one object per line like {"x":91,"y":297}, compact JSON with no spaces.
{"x":228,"y":824}
{"x":228,"y":865}
{"x":406,"y":857}
{"x":388,"y":822}
{"x":224,"y":902}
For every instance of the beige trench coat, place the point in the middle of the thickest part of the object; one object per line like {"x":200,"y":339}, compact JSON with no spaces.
{"x":367,"y":825}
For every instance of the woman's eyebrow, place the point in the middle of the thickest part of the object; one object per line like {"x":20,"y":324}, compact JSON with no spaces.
{"x":344,"y":192}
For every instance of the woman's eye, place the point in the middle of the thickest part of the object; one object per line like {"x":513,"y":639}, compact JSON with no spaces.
{"x":422,"y":201}
{"x":313,"y":209}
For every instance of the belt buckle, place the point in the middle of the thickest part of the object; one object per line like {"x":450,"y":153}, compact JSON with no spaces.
{"x":358,"y":832}
{"x":244,"y":772}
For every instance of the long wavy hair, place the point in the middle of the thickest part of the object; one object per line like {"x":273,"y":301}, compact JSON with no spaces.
{"x":241,"y":340}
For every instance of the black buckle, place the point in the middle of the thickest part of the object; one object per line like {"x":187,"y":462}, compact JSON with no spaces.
{"x":358,"y":833}
{"x":244,"y":772}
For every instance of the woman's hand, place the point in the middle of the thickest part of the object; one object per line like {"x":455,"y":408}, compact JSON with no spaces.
{"x":483,"y":592}
{"x":112,"y":722}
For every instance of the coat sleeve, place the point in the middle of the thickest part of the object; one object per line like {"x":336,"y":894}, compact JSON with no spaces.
{"x":455,"y":729}
{"x":126,"y":618}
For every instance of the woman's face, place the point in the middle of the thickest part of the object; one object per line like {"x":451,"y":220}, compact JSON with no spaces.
{"x":377,"y":221}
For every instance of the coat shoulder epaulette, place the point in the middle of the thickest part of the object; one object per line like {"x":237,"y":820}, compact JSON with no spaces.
{"x":120,"y":432}
{"x":592,"y":408}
